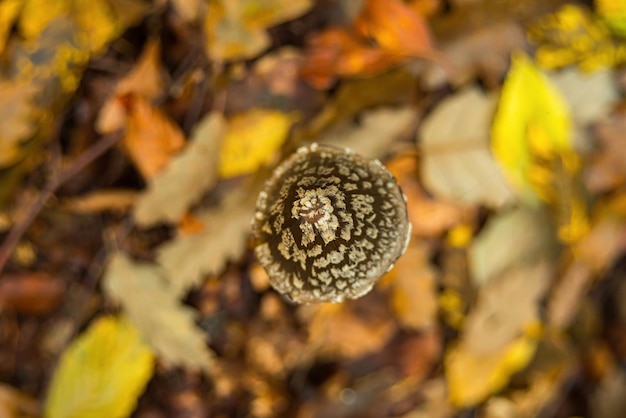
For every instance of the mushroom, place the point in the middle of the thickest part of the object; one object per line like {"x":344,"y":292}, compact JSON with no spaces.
{"x":328,"y":224}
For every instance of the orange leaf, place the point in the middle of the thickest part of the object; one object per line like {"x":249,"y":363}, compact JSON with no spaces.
{"x":336,"y":52}
{"x":151,"y":138}
{"x":144,"y":80}
{"x":395,"y":27}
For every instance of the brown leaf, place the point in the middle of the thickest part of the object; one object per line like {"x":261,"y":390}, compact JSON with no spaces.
{"x":101,"y":201}
{"x":349,"y":330}
{"x":429,"y":217}
{"x":151,"y":138}
{"x":413,"y":297}
{"x":16,"y":404}
{"x":34,"y":293}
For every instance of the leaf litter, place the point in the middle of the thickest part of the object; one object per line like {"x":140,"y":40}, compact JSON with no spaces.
{"x":507,"y":303}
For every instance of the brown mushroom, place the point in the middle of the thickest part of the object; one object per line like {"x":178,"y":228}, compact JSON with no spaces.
{"x":329,"y":223}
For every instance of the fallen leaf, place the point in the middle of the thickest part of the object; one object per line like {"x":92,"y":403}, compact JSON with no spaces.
{"x":429,"y":217}
{"x":336,"y":52}
{"x":482,"y":52}
{"x":375,"y":131}
{"x":573,"y":35}
{"x":608,"y":399}
{"x":533,"y":143}
{"x":9,"y":11}
{"x":413,"y":293}
{"x":144,"y":80}
{"x":348,"y":330}
{"x":115,"y":200}
{"x":188,"y":259}
{"x":102,"y":373}
{"x":189,"y":174}
{"x":154,"y":309}
{"x":500,"y":336}
{"x":590,"y":97}
{"x":613,"y":13}
{"x":16,"y":404}
{"x":34,"y":293}
{"x":395,"y":27}
{"x":454,"y":141}
{"x":236,"y":30}
{"x":151,"y":139}
{"x":251,"y":140}
{"x":399,"y":34}
{"x":189,"y":10}
{"x":607,"y":168}
{"x":19,"y":115}
{"x":510,"y":238}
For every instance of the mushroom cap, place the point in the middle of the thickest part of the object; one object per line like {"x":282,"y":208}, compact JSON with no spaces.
{"x":329,"y":223}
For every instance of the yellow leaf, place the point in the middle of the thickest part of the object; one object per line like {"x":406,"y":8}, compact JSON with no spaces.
{"x":613,"y":12}
{"x":235,"y":29}
{"x":473,"y":376}
{"x":252,"y":140}
{"x":573,"y":35}
{"x":101,"y":374}
{"x":532,"y":139}
{"x":532,"y":120}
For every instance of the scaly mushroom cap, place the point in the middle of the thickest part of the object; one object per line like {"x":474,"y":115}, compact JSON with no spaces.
{"x":329,"y":224}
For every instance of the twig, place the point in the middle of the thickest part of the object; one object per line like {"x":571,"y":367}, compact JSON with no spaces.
{"x":82,"y":161}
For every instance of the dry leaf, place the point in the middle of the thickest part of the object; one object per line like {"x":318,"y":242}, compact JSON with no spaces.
{"x":153,"y":307}
{"x":188,"y":259}
{"x":374,"y":133}
{"x":9,"y":11}
{"x":144,"y":80}
{"x":533,"y":143}
{"x":589,"y":96}
{"x":457,"y":164}
{"x":499,"y":338}
{"x":510,"y":238}
{"x":482,"y":52}
{"x":151,"y":139}
{"x":428,"y":217}
{"x":31,"y":293}
{"x":252,"y":139}
{"x":102,"y":373}
{"x":573,"y":35}
{"x":395,"y":27}
{"x":15,"y":404}
{"x":337,"y":329}
{"x":189,"y":10}
{"x":398,"y":31}
{"x":101,"y":201}
{"x":607,"y":169}
{"x":413,"y":289}
{"x":237,"y":29}
{"x":189,"y":175}
{"x":19,"y":115}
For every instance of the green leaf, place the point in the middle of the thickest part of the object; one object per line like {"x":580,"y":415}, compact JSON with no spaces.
{"x":102,"y":373}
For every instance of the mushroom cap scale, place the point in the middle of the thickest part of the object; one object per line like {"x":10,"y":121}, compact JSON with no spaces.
{"x":329,"y":223}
